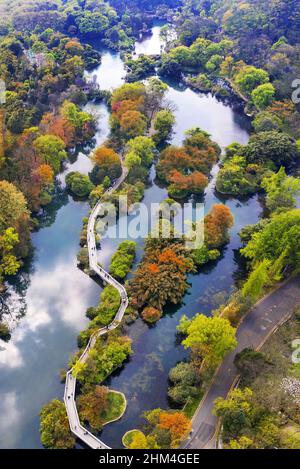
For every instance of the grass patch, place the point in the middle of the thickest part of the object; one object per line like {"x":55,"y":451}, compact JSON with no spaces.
{"x":128,"y":437}
{"x":117,"y":407}
{"x":192,"y":405}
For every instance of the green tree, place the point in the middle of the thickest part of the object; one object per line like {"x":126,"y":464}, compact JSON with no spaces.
{"x":235,"y":411}
{"x":79,"y":184}
{"x":12,"y":205}
{"x":184,"y":379}
{"x":238,"y":178}
{"x":55,"y":429}
{"x":103,"y":359}
{"x":257,"y":280}
{"x":163,"y":125}
{"x":9,"y":264}
{"x":266,"y":121}
{"x":243,"y":442}
{"x":250,"y":78}
{"x":281,"y":190}
{"x":132,"y":160}
{"x":271,"y":146}
{"x":268,"y":434}
{"x":211,"y":338}
{"x":104,"y":313}
{"x":96,"y":194}
{"x":122,"y":259}
{"x":51,"y":149}
{"x":183,"y":373}
{"x":250,"y":364}
{"x":92,"y":23}
{"x":278,"y":242}
{"x":263,"y":95}
{"x":290,"y":437}
{"x":74,"y":115}
{"x":144,"y":148}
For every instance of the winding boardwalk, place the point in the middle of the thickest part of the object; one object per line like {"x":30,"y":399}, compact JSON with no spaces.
{"x":70,"y":387}
{"x":258,"y":325}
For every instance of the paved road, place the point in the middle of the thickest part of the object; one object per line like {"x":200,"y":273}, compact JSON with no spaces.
{"x":70,"y":387}
{"x":255,"y":329}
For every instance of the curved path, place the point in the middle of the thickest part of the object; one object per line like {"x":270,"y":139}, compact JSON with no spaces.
{"x":70,"y":387}
{"x":266,"y":316}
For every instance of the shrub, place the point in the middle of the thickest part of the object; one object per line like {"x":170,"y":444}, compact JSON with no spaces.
{"x":107,"y":309}
{"x":55,"y":429}
{"x":103,"y":359}
{"x":79,"y":184}
{"x":122,"y":260}
{"x":151,"y":315}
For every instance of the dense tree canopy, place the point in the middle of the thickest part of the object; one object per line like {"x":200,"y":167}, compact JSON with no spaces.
{"x":122,"y":259}
{"x":107,"y":163}
{"x":51,"y":149}
{"x":210,"y":338}
{"x":55,"y":429}
{"x":271,"y":146}
{"x":79,"y":184}
{"x":281,"y":190}
{"x":186,"y":168}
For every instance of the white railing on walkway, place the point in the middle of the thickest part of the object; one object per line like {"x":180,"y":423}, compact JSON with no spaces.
{"x":70,"y":387}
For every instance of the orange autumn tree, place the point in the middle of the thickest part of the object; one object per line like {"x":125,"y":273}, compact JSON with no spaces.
{"x":166,"y":429}
{"x":161,"y":277}
{"x":178,"y":425}
{"x":27,"y":161}
{"x":59,"y":126}
{"x":186,"y":168}
{"x":182,"y":185}
{"x":119,"y":108}
{"x":45,"y":173}
{"x":172,"y":158}
{"x":128,"y":108}
{"x":133,"y":124}
{"x":203,"y":152}
{"x":216,"y":226}
{"x":92,"y":405}
{"x":198,"y":182}
{"x":151,"y":315}
{"x":74,"y":47}
{"x":107,"y":163}
{"x":43,"y":185}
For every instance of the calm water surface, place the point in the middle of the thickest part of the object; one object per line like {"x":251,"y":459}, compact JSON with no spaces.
{"x":48,"y":301}
{"x":150,"y":44}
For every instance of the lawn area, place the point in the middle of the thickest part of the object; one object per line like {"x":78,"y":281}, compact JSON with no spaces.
{"x":128,"y":437}
{"x":117,"y":407}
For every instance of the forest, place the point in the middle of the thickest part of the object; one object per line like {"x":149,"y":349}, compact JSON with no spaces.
{"x":246,"y":55}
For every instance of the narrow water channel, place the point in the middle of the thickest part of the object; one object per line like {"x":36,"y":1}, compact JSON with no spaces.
{"x":48,"y":300}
